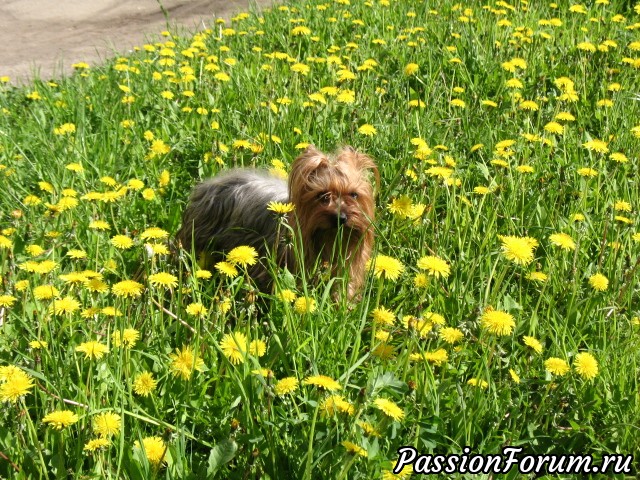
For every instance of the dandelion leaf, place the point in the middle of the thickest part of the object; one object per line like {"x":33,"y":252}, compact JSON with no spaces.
{"x":222,"y":453}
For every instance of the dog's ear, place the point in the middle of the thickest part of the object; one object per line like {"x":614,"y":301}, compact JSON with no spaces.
{"x":362,"y":163}
{"x":312,"y":158}
{"x":307,"y":166}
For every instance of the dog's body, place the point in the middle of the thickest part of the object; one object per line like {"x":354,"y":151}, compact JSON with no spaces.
{"x":334,"y":210}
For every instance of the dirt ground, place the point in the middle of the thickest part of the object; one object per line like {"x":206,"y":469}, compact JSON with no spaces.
{"x":44,"y":38}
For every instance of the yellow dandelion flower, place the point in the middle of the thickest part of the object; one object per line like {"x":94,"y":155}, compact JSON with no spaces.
{"x":563,"y":241}
{"x":127,"y":338}
{"x":7,"y":301}
{"x":619,"y":157}
{"x":38,"y":344}
{"x":565,"y":117}
{"x":73,"y":277}
{"x":411,"y":69}
{"x":434,"y":266}
{"x":385,"y":267}
{"x":154,"y":449}
{"x":498,"y":322}
{"x":234,"y":346}
{"x":144,"y":384}
{"x":532,"y":343}
{"x":64,"y":305}
{"x":163,"y":279}
{"x":322,"y":381}
{"x":203,"y":274}
{"x":587,"y":172}
{"x":16,"y":383}
{"x":96,"y":285}
{"x":285,"y":386}
{"x":5,"y":242}
{"x":369,"y":429}
{"x":44,"y":267}
{"x":586,"y":46}
{"x":148,"y":194}
{"x":599,"y":282}
{"x":197,"y":310}
{"x":7,"y":371}
{"x":437,"y":357}
{"x":346,"y":96}
{"x":280,"y":208}
{"x":401,"y":206}
{"x":243,"y":255}
{"x":596,"y":145}
{"x":354,"y":449}
{"x":518,"y":249}
{"x":556,"y":366}
{"x":286,"y":295}
{"x":450,"y":335}
{"x":529,"y":105}
{"x":227,"y":268}
{"x":586,"y":365}
{"x":442,"y":172}
{"x":537,"y":276}
{"x":35,"y":250}
{"x":622,"y":206}
{"x":555,"y":128}
{"x":304,"y":305}
{"x":477,"y":382}
{"x":99,"y":225}
{"x":60,"y":419}
{"x":389,"y":408}
{"x":382,"y":316}
{"x":154,"y":233}
{"x":336,"y":404}
{"x":367,"y":130}
{"x":623,"y":219}
{"x":184,"y":362}
{"x":92,"y":349}
{"x":95,"y":444}
{"x":128,"y":289}
{"x":107,"y":424}
{"x":301,"y":30}
{"x":300,"y":68}
{"x":122,"y":242}
{"x":76,"y":254}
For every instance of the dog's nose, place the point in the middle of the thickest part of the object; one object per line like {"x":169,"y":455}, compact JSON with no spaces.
{"x":341,"y":218}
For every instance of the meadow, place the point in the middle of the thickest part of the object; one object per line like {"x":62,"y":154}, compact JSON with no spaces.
{"x":502,"y":305}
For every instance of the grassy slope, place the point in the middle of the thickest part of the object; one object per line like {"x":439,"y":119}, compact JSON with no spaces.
{"x":262,"y":111}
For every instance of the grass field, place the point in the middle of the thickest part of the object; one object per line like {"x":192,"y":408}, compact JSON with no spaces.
{"x":503,"y":304}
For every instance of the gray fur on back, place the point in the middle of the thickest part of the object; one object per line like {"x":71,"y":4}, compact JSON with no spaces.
{"x":230,"y":210}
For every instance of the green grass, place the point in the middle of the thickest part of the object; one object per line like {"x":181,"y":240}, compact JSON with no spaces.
{"x":223,"y":419}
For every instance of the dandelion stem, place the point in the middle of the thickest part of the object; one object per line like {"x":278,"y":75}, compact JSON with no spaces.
{"x":33,"y":434}
{"x":312,"y":433}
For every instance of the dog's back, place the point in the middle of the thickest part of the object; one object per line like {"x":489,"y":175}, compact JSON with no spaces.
{"x":230,"y":210}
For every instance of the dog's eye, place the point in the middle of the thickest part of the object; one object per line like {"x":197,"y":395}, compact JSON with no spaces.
{"x":354,"y":195}
{"x":324,"y":197}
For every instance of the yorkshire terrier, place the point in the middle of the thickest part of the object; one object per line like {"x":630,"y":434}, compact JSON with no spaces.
{"x":334,"y":208}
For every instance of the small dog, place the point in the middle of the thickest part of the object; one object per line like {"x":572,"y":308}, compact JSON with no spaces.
{"x":333,"y":198}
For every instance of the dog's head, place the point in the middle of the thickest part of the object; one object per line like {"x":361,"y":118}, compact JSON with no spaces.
{"x":332,"y":192}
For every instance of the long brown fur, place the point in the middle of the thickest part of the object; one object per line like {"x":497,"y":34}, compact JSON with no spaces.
{"x":333,"y":217}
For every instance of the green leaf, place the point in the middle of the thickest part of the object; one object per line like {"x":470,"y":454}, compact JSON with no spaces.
{"x":222,"y":453}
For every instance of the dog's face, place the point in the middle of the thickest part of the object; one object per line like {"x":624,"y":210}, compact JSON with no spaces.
{"x":330,"y":193}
